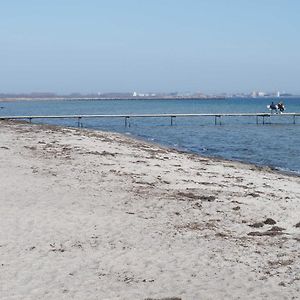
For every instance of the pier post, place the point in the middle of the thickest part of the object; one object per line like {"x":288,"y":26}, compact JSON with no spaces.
{"x":127,"y":124}
{"x":256,"y":120}
{"x":172,"y":120}
{"x":263,"y":120}
{"x":294,"y":121}
{"x":30,"y":120}
{"x":79,"y":124}
{"x":218,"y":116}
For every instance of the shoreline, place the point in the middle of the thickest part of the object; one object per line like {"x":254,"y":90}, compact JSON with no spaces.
{"x":169,"y":147}
{"x":98,"y":215}
{"x":186,"y":151}
{"x":268,"y":168}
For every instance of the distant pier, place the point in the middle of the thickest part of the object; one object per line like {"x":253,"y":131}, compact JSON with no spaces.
{"x":216,"y":117}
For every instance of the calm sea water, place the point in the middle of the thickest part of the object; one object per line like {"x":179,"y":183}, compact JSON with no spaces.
{"x":275,"y":144}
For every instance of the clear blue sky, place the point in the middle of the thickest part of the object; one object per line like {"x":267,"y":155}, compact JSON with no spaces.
{"x":149,"y":45}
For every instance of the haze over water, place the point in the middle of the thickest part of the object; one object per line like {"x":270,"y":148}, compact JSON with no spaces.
{"x":274,"y":144}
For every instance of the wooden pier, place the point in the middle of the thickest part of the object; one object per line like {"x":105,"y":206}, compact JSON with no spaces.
{"x":260,"y":117}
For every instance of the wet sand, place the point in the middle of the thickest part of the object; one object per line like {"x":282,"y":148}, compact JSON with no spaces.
{"x":96,"y":215}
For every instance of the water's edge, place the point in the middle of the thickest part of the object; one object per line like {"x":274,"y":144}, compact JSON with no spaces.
{"x":167,"y":147}
{"x":275,"y":145}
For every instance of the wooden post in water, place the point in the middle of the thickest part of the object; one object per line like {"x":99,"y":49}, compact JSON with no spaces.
{"x":79,"y":124}
{"x":172,"y":120}
{"x":218,"y":116}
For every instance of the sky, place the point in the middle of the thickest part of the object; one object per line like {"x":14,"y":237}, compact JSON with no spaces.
{"x":208,"y":46}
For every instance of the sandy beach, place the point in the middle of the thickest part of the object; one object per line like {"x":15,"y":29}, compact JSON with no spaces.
{"x":97,"y":215}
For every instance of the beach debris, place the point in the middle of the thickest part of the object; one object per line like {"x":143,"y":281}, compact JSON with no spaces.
{"x":57,"y":249}
{"x":194,"y":226}
{"x":193,"y":196}
{"x":30,"y":147}
{"x":297,"y":225}
{"x":265,"y":233}
{"x":209,"y":198}
{"x":188,"y":195}
{"x":255,"y":195}
{"x":77,"y":245}
{"x":103,"y":153}
{"x":280,"y":263}
{"x":197,"y":205}
{"x":144,"y":183}
{"x":128,"y":279}
{"x":4,"y":147}
{"x":169,"y":298}
{"x":257,"y":225}
{"x":191,"y":226}
{"x":276,"y":228}
{"x":166,"y":182}
{"x":236,"y":208}
{"x":148,"y":280}
{"x":221,"y":234}
{"x":269,"y":221}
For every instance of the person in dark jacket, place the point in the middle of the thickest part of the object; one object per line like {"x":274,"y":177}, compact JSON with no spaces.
{"x":281,"y":107}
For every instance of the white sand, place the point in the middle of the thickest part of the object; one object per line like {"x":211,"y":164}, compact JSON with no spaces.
{"x":88,"y":215}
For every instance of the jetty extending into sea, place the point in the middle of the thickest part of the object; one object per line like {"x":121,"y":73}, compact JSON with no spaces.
{"x":260,"y":117}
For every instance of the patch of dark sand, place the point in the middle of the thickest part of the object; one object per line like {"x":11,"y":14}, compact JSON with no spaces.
{"x":257,"y":225}
{"x":104,"y":153}
{"x":254,"y":195}
{"x":280,"y":263}
{"x":193,"y":196}
{"x":274,"y":231}
{"x":169,"y":298}
{"x":194,"y":226}
{"x":269,"y":221}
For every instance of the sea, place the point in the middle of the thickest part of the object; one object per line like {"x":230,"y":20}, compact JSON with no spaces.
{"x":275,"y":144}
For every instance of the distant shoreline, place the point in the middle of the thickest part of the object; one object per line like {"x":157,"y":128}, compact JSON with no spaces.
{"x":106,"y":98}
{"x":14,"y":99}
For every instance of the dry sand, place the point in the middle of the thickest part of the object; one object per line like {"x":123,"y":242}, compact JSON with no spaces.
{"x":93,"y":215}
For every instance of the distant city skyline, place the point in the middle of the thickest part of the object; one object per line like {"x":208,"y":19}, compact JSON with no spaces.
{"x":209,"y":46}
{"x":143,"y":95}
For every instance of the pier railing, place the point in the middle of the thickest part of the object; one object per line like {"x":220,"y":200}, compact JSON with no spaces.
{"x":260,"y":117}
